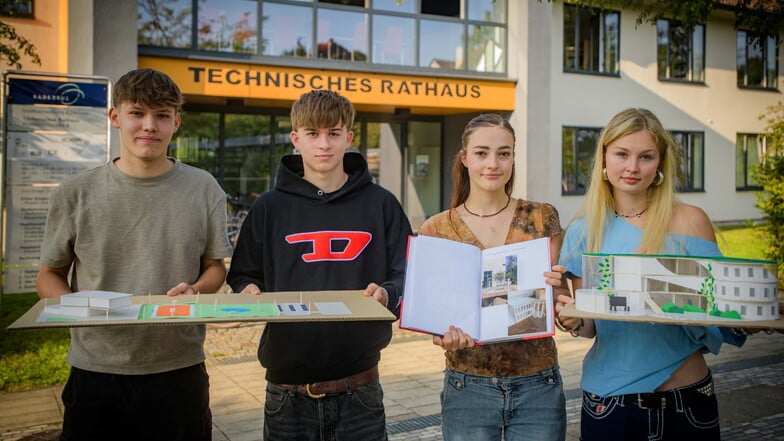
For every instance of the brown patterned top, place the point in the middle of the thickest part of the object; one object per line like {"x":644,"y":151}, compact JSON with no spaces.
{"x":531,"y":220}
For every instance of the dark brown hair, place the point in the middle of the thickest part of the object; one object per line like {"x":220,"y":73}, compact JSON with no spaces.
{"x":462,"y":185}
{"x":148,"y":87}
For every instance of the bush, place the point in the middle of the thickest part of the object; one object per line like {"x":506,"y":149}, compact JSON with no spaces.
{"x":770,"y":175}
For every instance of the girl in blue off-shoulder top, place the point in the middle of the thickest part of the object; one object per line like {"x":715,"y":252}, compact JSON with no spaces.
{"x":642,"y":380}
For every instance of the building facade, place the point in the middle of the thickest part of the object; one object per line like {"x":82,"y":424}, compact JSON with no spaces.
{"x":418,"y":70}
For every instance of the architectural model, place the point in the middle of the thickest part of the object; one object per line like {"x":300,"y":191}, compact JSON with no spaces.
{"x":676,"y":286}
{"x":91,"y":303}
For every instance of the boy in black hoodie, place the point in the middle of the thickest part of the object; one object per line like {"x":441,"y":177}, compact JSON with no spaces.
{"x":325,"y":226}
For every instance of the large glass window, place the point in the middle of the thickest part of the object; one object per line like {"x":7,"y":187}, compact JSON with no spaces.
{"x":287,"y":30}
{"x":393,"y":40}
{"x":757,"y":60}
{"x":166,"y":24}
{"x":749,"y":151}
{"x":591,"y":40}
{"x":227,"y":26}
{"x":691,"y":175}
{"x":579,"y":145}
{"x":432,"y":34}
{"x":680,"y":55}
{"x":487,"y":10}
{"x":445,"y":47}
{"x":486,"y":51}
{"x":342,"y":35}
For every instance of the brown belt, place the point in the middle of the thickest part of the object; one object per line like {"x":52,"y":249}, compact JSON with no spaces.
{"x":322,"y":388}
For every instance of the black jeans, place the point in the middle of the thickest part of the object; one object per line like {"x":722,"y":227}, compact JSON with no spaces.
{"x":687,"y":413}
{"x":169,"y":406}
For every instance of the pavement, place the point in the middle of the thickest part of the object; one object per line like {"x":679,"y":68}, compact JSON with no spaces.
{"x":749,"y":383}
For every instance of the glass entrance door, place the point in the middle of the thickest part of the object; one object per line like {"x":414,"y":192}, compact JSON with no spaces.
{"x":422,"y":196}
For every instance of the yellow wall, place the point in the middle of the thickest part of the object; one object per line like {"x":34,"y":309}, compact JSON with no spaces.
{"x":48,"y":31}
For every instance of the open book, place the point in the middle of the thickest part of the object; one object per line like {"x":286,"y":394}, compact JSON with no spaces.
{"x":494,"y":295}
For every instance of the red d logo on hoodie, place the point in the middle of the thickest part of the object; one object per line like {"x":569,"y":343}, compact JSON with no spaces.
{"x":356,"y":241}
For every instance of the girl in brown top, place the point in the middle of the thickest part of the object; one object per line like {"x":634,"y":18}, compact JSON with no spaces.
{"x":510,"y":390}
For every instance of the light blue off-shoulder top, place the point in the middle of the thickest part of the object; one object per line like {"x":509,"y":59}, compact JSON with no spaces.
{"x":638,"y":357}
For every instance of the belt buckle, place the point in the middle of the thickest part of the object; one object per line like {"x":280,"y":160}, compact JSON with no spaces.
{"x":312,"y":395}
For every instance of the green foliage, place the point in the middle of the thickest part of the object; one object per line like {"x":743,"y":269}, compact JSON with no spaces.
{"x":29,"y":358}
{"x":13,"y":46}
{"x":731,"y":315}
{"x":761,"y":16}
{"x":692,"y":308}
{"x":770,"y":176}
{"x":672,"y":308}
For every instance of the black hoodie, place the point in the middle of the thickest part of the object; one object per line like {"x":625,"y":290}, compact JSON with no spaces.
{"x":297,"y":238}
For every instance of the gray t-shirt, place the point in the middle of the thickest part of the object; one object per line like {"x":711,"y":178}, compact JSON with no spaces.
{"x":136,"y":236}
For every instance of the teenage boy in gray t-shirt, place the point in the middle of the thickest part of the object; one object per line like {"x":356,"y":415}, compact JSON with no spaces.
{"x":142,"y":223}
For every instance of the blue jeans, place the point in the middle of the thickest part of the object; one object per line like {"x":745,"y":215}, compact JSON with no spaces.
{"x":687,"y":413}
{"x":168,"y":406}
{"x":526,"y":407}
{"x":355,"y":415}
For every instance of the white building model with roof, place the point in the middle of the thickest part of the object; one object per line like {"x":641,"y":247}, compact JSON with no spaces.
{"x":740,"y":289}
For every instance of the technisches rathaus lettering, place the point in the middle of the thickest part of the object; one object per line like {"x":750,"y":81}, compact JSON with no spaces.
{"x":336,"y":83}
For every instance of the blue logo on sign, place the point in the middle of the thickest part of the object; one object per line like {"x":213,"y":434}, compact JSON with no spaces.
{"x":70,"y":93}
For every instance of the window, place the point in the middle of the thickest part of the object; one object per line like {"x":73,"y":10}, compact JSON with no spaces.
{"x":691,"y":175}
{"x":579,"y":145}
{"x":341,"y":35}
{"x":757,"y":60}
{"x":751,"y":292}
{"x":751,"y":272}
{"x":227,"y":26}
{"x":680,"y":55}
{"x":591,"y":40}
{"x":749,"y":151}
{"x":165,"y":27}
{"x":288,"y":31}
{"x":737,"y":273}
{"x":461,"y":35}
{"x":17,"y":8}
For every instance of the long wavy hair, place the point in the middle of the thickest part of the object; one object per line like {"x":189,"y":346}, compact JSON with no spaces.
{"x":462,"y":183}
{"x":599,"y":201}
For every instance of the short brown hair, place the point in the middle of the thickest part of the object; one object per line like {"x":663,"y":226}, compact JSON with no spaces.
{"x":320,"y":109}
{"x":148,"y":87}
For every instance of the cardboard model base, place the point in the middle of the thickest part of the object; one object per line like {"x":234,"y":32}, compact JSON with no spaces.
{"x":700,"y":319}
{"x":216,"y":308}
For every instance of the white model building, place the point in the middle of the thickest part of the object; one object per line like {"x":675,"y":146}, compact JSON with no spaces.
{"x":643,"y":284}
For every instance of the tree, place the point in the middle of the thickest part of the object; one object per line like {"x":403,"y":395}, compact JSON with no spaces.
{"x":13,"y":45}
{"x":764,"y":16}
{"x":770,"y":176}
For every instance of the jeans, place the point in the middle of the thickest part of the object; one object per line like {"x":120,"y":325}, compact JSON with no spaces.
{"x":692,"y":413}
{"x":173,"y":405}
{"x":526,"y":407}
{"x":355,"y":415}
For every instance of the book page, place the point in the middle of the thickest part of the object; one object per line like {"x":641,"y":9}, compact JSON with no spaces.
{"x":442,"y":286}
{"x":515,"y":301}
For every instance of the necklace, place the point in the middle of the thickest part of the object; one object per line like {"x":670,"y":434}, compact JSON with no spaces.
{"x":509,"y":199}
{"x":629,"y":216}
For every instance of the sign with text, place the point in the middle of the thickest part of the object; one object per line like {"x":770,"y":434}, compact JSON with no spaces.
{"x":225,"y":79}
{"x":55,"y":127}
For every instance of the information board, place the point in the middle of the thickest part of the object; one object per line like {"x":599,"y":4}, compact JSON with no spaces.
{"x":54,"y":126}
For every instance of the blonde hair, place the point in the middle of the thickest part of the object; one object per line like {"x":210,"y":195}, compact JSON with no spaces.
{"x":599,"y":201}
{"x":461,"y":182}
